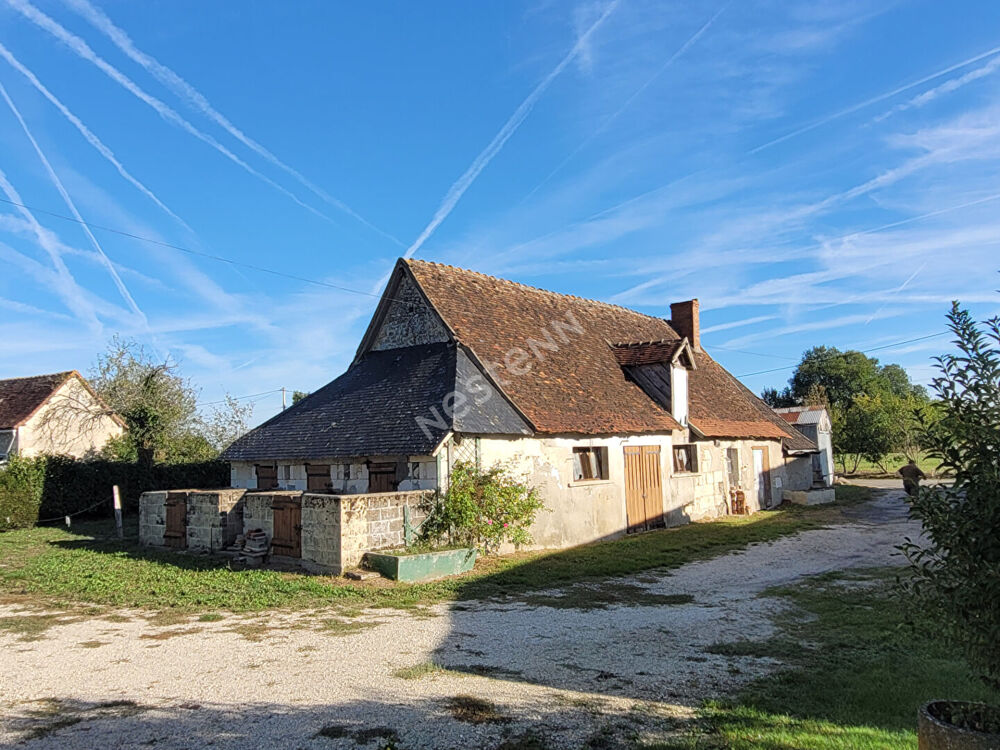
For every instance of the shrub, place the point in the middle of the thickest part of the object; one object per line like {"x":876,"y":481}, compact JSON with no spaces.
{"x":956,"y":571}
{"x":483,"y":508}
{"x":21,"y":483}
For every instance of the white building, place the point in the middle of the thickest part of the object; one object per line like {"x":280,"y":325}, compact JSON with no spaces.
{"x":57,"y":414}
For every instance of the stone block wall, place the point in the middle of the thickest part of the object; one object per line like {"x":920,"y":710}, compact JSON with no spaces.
{"x":257,"y":513}
{"x":336,"y":529}
{"x":152,"y":518}
{"x":321,"y":533}
{"x":214,"y":519}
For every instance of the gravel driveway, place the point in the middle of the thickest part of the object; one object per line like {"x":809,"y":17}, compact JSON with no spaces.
{"x":556,"y":665}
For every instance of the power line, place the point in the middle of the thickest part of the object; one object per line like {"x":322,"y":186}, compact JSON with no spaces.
{"x":239,"y":398}
{"x":843,"y":354}
{"x":188,"y":250}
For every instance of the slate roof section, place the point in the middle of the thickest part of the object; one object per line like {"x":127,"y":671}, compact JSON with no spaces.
{"x":373,"y":410}
{"x":20,"y":398}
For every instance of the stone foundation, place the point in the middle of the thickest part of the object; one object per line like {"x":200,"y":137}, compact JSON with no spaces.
{"x":810,"y":497}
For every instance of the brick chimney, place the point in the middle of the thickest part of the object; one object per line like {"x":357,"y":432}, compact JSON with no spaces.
{"x":684,"y":320}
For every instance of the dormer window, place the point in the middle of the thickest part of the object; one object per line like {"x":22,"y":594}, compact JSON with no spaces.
{"x":661,"y":369}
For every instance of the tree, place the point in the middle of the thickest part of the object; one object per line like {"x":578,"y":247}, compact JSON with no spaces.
{"x":871,"y":406}
{"x":157,"y":404}
{"x":956,"y":566}
{"x":227,"y":422}
{"x":298,"y":396}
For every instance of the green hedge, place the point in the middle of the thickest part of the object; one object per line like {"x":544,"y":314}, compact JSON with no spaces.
{"x":55,"y":486}
{"x":21,"y":483}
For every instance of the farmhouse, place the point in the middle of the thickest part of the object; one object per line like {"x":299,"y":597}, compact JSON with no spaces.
{"x":58,"y":414}
{"x":621,"y":420}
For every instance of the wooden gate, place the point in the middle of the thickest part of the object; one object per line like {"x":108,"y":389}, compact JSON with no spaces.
{"x":287,"y":537}
{"x":643,"y":489}
{"x":175,"y":532}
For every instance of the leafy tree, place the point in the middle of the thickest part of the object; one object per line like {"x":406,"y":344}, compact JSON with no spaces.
{"x":956,"y":566}
{"x":483,"y":508}
{"x":298,"y":396}
{"x":157,"y":404}
{"x":871,"y":406}
{"x":227,"y":422}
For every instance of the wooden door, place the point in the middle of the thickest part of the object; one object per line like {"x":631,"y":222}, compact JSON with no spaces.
{"x":382,"y":477}
{"x":267,"y":476}
{"x":643,"y":489}
{"x":762,"y":473}
{"x":317,"y":477}
{"x":175,"y":532}
{"x":287,"y":537}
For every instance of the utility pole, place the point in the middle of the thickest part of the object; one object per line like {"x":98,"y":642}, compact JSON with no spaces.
{"x":282,"y":398}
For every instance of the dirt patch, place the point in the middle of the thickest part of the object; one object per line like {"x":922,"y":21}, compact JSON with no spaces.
{"x":164,"y":635}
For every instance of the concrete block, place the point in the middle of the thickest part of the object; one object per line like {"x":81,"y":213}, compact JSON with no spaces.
{"x":810,"y":497}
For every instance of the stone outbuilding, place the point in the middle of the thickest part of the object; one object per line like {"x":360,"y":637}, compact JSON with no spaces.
{"x":620,"y":419}
{"x":814,"y":422}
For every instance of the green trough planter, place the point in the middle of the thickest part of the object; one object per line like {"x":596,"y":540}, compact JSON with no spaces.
{"x":425,"y":566}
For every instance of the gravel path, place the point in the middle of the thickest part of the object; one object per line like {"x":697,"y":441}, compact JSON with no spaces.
{"x":547,"y":666}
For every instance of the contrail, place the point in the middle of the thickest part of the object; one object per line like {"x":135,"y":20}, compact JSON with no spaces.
{"x":83,"y":50}
{"x":458,"y":189}
{"x":122,"y":289}
{"x":99,"y":20}
{"x":945,"y":88}
{"x":92,"y":139}
{"x":68,"y":289}
{"x":614,"y":116}
{"x":874,"y":100}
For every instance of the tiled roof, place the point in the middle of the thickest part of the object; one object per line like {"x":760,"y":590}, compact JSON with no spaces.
{"x":721,"y":406}
{"x":645,"y":352}
{"x":575,"y":384}
{"x":578,"y":385}
{"x":373,"y":410}
{"x":802,"y":414}
{"x":21,"y":397}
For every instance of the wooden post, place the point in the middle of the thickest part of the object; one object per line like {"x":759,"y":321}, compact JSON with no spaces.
{"x":118,"y":510}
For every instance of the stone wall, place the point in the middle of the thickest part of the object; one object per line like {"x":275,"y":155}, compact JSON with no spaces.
{"x":347,"y":476}
{"x":152,"y":518}
{"x":321,"y":533}
{"x":409,"y":320}
{"x":338,"y":529}
{"x":213,"y":518}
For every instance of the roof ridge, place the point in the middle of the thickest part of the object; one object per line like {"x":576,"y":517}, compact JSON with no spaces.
{"x":530,"y":288}
{"x":62,"y":374}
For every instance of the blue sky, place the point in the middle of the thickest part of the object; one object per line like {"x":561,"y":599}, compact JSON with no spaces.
{"x":814,"y":172}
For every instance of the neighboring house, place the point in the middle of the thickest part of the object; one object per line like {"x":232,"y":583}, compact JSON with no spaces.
{"x":58,"y":414}
{"x":814,"y":423}
{"x":621,"y":420}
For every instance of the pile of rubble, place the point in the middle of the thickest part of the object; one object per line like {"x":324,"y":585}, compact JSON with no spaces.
{"x":252,"y":548}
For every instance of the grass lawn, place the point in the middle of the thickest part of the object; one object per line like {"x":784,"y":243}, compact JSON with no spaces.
{"x":87,"y":564}
{"x":856,"y":674}
{"x":892,"y":462}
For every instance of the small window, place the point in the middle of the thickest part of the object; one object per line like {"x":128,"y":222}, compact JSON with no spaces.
{"x":286,"y":472}
{"x":590,"y":464}
{"x":685,"y":459}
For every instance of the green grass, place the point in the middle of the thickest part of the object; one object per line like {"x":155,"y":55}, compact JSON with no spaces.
{"x":855,"y":676}
{"x":88,"y":563}
{"x":892,"y":462}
